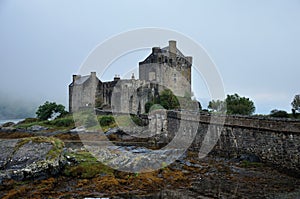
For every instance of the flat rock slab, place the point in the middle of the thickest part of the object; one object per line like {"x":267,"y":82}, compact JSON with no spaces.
{"x":35,"y":157}
{"x":29,"y":153}
{"x":7,"y":148}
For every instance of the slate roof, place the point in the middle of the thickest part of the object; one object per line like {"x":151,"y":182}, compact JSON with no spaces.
{"x":166,"y":51}
{"x":82,"y":79}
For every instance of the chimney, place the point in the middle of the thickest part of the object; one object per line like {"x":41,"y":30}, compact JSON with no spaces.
{"x":172,"y":46}
{"x":117,"y":77}
{"x":155,"y":50}
{"x":93,"y":74}
{"x":75,"y":77}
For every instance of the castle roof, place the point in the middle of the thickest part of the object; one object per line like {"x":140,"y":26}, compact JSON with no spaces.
{"x":166,"y":50}
{"x":82,"y":79}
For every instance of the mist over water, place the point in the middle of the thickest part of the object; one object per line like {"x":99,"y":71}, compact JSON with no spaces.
{"x":13,"y":107}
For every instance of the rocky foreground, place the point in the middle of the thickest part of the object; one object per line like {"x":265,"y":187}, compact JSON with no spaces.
{"x":40,"y":163}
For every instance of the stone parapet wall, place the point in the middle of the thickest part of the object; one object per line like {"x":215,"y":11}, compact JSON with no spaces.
{"x":274,"y":141}
{"x":254,"y":122}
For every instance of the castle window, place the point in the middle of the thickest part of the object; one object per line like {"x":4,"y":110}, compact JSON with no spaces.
{"x":174,"y":78}
{"x":152,"y":76}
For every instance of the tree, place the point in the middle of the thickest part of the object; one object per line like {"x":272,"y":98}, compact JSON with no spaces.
{"x":217,"y":106}
{"x":296,"y":103}
{"x":168,"y":100}
{"x":49,"y":109}
{"x":239,"y":105}
{"x":279,"y":113}
{"x":148,"y":105}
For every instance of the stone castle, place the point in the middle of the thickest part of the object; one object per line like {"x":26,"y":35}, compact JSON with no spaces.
{"x":164,"y":68}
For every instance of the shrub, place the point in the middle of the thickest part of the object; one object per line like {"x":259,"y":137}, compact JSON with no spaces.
{"x":279,"y":113}
{"x":148,"y":106}
{"x":106,"y":120}
{"x":138,"y":121}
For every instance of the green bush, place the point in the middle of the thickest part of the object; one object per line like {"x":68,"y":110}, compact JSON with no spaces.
{"x":279,"y":113}
{"x":138,"y":121}
{"x":106,"y":120}
{"x":148,"y":106}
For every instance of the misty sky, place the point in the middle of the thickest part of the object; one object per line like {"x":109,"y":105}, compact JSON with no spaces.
{"x":255,"y":44}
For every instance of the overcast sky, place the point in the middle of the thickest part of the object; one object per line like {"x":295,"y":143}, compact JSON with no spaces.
{"x":254,"y":44}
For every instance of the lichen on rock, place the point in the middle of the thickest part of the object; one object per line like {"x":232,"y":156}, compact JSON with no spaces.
{"x":34,"y":157}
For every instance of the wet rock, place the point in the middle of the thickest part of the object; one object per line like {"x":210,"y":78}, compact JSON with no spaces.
{"x":27,"y":154}
{"x":249,"y":158}
{"x":6,"y":148}
{"x":135,"y":159}
{"x":8,"y":124}
{"x":79,"y":129}
{"x":115,"y":130}
{"x":36,"y":157}
{"x":37,"y":128}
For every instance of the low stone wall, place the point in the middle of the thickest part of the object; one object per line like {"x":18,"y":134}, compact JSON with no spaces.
{"x":274,"y":141}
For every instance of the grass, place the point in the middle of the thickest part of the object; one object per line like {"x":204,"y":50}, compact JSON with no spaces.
{"x":65,"y":123}
{"x":108,"y":121}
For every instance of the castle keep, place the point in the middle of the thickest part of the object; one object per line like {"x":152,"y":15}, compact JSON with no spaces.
{"x":164,"y":68}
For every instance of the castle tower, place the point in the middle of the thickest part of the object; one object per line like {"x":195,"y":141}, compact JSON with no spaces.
{"x":169,"y":68}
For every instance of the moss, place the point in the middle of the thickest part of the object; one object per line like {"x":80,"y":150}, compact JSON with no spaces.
{"x":88,"y":166}
{"x":55,"y":151}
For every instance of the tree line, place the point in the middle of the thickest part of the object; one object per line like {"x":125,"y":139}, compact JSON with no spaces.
{"x":233,"y":104}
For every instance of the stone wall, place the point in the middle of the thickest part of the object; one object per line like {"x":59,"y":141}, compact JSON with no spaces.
{"x":274,"y":141}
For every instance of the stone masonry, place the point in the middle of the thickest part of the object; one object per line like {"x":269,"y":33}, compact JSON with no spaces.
{"x":274,"y":141}
{"x":163,"y":68}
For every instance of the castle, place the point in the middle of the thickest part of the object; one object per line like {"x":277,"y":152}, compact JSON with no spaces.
{"x":164,"y":68}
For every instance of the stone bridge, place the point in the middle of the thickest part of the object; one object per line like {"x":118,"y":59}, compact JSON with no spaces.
{"x":274,"y":141}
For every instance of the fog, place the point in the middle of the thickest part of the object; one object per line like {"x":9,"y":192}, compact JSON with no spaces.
{"x":255,"y":45}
